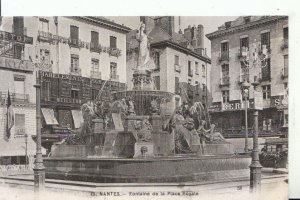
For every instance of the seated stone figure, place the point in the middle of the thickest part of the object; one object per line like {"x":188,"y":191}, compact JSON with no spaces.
{"x":214,"y":137}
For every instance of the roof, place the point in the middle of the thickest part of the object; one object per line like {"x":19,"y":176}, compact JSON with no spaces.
{"x":102,"y":21}
{"x":181,"y":48}
{"x":240,"y":24}
{"x":158,"y":34}
{"x":159,"y":37}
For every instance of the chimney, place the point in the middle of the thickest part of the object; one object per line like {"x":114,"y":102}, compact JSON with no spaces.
{"x":187,"y":33}
{"x":200,"y":36}
{"x":166,"y":23}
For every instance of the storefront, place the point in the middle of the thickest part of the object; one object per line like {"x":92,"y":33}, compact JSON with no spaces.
{"x":62,"y":96}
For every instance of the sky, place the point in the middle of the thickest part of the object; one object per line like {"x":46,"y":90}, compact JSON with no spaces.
{"x":210,"y":23}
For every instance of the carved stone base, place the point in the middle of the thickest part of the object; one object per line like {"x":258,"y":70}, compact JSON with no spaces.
{"x":142,"y":80}
{"x":143,"y":149}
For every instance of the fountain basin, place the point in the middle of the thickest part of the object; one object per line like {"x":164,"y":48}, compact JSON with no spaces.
{"x":177,"y":168}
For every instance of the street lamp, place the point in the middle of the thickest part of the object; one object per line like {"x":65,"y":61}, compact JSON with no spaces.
{"x":39,"y":168}
{"x":245,"y":95}
{"x":257,"y":59}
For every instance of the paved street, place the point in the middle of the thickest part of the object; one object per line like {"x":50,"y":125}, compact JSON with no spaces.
{"x":274,"y":186}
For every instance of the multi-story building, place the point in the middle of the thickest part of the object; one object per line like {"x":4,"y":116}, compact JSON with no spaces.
{"x":181,"y":64}
{"x":231,"y":44}
{"x":76,"y":57}
{"x":17,"y":78}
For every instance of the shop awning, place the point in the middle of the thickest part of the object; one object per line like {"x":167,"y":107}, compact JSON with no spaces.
{"x":16,"y":146}
{"x":49,"y":116}
{"x":77,"y":117}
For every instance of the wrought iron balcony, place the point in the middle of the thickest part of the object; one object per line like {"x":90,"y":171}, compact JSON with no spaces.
{"x":224,"y":81}
{"x":95,"y":47}
{"x":15,"y":97}
{"x":224,"y":56}
{"x":114,"y":52}
{"x":73,"y":42}
{"x":44,"y":36}
{"x":95,"y":74}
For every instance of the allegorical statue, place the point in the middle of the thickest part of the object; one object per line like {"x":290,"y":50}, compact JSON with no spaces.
{"x":144,"y":48}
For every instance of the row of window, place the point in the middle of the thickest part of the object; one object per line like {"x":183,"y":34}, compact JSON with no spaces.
{"x":265,"y":71}
{"x":190,"y":71}
{"x":74,"y":35}
{"x":244,"y":42}
{"x":266,"y":91}
{"x":94,"y":67}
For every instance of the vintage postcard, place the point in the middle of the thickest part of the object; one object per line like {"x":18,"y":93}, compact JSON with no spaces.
{"x":162,"y":106}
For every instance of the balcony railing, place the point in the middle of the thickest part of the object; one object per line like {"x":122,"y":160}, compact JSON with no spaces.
{"x":114,"y":77}
{"x":177,"y":68}
{"x":95,"y":74}
{"x":44,"y":36}
{"x":285,"y":44}
{"x":285,"y":72}
{"x":95,"y":47}
{"x":76,"y":72}
{"x":15,"y":97}
{"x":224,"y":81}
{"x":73,"y":42}
{"x":114,"y":52}
{"x":224,"y":56}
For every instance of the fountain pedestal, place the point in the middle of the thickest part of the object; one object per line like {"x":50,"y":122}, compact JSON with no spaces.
{"x":142,"y":80}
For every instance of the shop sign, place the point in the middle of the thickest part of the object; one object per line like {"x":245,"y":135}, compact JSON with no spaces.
{"x":15,"y":38}
{"x":231,"y":106}
{"x":16,"y":64}
{"x":279,"y":101}
{"x":69,"y":100}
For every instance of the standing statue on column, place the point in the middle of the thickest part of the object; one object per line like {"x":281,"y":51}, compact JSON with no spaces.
{"x":144,"y":48}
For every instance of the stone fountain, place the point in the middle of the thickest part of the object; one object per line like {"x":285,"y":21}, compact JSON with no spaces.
{"x":135,"y":141}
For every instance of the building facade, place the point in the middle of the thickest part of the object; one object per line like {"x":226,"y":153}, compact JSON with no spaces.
{"x":234,"y":47}
{"x":75,"y":58}
{"x":181,"y":65}
{"x":17,"y":74}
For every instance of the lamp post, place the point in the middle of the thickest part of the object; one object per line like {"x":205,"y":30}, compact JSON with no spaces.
{"x":39,"y":168}
{"x":245,"y":95}
{"x":252,"y":60}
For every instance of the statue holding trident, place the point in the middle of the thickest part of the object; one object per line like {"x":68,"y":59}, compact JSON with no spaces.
{"x":144,"y":49}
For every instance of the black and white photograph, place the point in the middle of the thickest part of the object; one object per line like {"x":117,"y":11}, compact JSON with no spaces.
{"x":145,"y":106}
